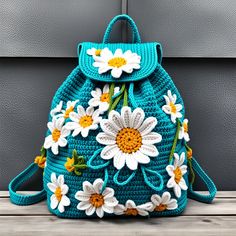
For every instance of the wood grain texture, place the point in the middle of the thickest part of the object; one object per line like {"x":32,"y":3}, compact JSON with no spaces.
{"x":218,"y":218}
{"x":184,"y":225}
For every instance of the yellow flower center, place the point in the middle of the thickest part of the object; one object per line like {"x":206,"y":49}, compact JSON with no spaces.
{"x":105,"y":97}
{"x":117,"y":62}
{"x":173,"y":107}
{"x":97,"y":200}
{"x":40,"y":161}
{"x":161,"y":207}
{"x":129,"y":140}
{"x":185,"y":125}
{"x":68,"y":111}
{"x":56,"y":135}
{"x":86,"y":121}
{"x":98,"y":52}
{"x":131,"y":212}
{"x":178,"y":174}
{"x":69,"y":164}
{"x":58,"y":194}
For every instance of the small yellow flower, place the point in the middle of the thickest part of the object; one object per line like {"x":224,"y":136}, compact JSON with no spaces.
{"x":69,"y":165}
{"x":189,"y":153}
{"x":40,"y":161}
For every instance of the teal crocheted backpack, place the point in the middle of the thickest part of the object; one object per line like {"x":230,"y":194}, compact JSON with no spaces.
{"x":117,"y":137}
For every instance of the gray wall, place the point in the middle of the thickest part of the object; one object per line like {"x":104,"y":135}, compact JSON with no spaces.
{"x":38,"y":50}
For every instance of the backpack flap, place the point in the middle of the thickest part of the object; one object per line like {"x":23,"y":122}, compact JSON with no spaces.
{"x":149,"y":55}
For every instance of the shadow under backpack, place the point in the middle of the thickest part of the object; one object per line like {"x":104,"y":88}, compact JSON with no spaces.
{"x":117,"y":138}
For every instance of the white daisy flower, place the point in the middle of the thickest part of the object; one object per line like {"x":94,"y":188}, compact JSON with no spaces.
{"x":93,"y":199}
{"x":128,"y":138}
{"x":183,"y":132}
{"x":176,"y":172}
{"x":70,"y":105}
{"x":59,"y":189}
{"x":130,"y":209}
{"x":83,"y":121}
{"x":58,"y":135}
{"x":162,"y":203}
{"x":171,"y":108}
{"x":117,"y":62}
{"x":101,"y":98}
{"x":94,"y":52}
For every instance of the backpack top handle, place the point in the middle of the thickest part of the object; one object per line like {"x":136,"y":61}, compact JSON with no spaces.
{"x":136,"y":35}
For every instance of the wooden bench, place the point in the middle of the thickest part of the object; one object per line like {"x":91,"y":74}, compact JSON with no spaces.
{"x":218,"y":218}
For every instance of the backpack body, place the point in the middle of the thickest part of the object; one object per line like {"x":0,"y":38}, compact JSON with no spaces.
{"x":138,"y":111}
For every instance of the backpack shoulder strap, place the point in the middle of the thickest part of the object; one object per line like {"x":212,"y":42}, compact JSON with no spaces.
{"x":20,"y":199}
{"x":208,"y":198}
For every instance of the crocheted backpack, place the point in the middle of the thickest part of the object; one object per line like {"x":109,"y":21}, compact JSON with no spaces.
{"x":117,"y":137}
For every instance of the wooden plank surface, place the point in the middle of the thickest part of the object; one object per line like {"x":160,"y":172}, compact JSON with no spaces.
{"x":218,"y":218}
{"x":184,"y":225}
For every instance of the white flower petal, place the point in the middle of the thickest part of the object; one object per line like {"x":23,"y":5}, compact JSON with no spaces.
{"x":165,"y":197}
{"x":119,"y":160}
{"x":94,"y":102}
{"x":141,"y":158}
{"x":149,"y":150}
{"x":82,"y":196}
{"x":182,"y":184}
{"x":116,"y":72}
{"x":62,"y":142}
{"x":74,"y":117}
{"x":90,"y":211}
{"x":108,"y":127}
{"x":81,"y":110}
{"x":64,"y":189}
{"x":177,"y":190}
{"x":65,"y":200}
{"x":172,"y":204}
{"x":107,"y":209}
{"x":55,"y":148}
{"x":48,"y":142}
{"x":119,"y":209}
{"x":97,"y":185}
{"x":148,"y":125}
{"x":156,"y":199}
{"x":100,"y":212}
{"x":106,"y":88}
{"x":52,"y":187}
{"x":109,"y":152}
{"x":108,"y":193}
{"x":126,"y":116}
{"x":137,"y":118}
{"x":85,"y":132}
{"x":112,"y":201}
{"x":88,"y":188}
{"x":115,"y":118}
{"x":83,"y":205}
{"x":105,"y":139}
{"x":170,"y":170}
{"x":151,"y":138}
{"x":130,"y":204}
{"x":60,"y":180}
{"x":53,"y":202}
{"x":131,"y":162}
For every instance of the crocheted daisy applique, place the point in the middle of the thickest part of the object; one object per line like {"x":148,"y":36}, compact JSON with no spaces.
{"x":129,"y":138}
{"x":101,"y":98}
{"x":118,"y":62}
{"x":94,"y":52}
{"x":94,"y":199}
{"x":83,"y":121}
{"x":171,"y":108}
{"x":58,"y":135}
{"x":183,"y":132}
{"x":161,"y":203}
{"x":58,"y":111}
{"x":176,"y":173}
{"x":59,"y":189}
{"x":131,"y":209}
